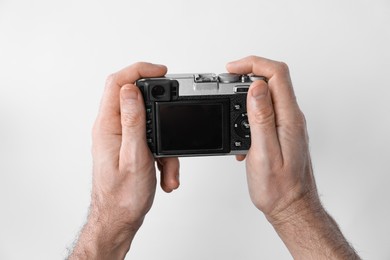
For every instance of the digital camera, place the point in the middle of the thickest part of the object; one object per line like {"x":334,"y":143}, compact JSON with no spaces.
{"x":197,"y":114}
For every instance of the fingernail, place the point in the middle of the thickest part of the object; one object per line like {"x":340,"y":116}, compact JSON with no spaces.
{"x":259,"y":91}
{"x":129,"y":94}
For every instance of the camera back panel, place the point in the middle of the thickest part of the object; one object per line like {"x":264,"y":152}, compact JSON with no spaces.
{"x":197,"y":114}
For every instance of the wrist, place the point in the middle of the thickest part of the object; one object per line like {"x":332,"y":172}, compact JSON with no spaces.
{"x":304,"y":207}
{"x":309,"y":232}
{"x":104,"y":237}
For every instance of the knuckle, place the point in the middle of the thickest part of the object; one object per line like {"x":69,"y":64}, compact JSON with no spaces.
{"x":282,"y":68}
{"x":264,"y":116}
{"x":97,"y":128}
{"x":131,"y":119}
{"x":102,"y":126}
{"x":296,"y":126}
{"x":111,"y":79}
{"x":172,"y":182}
{"x":302,"y":126}
{"x":300,"y":120}
{"x":261,"y":83}
{"x":252,"y":57}
{"x":138,"y":65}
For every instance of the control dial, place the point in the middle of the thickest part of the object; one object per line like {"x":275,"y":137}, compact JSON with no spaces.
{"x":241,"y":126}
{"x":229,"y":77}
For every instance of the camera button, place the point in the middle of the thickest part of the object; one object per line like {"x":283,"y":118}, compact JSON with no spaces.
{"x":228,"y":77}
{"x":241,"y":89}
{"x":245,"y":124}
{"x":237,"y":144}
{"x":241,"y":126}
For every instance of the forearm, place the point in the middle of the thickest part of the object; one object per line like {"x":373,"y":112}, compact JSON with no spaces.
{"x":100,"y":239}
{"x":310,"y":233}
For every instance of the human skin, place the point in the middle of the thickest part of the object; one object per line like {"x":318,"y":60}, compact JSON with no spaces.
{"x":124,"y":174}
{"x":278,"y":165}
{"x":279,"y":172}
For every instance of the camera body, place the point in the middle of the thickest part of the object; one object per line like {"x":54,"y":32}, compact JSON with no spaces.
{"x":197,"y":114}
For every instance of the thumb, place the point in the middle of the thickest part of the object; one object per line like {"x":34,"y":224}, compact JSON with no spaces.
{"x":134,"y":150}
{"x":261,"y":115}
{"x":132,"y":111}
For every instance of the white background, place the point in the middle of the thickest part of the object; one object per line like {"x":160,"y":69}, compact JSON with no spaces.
{"x":55,"y":56}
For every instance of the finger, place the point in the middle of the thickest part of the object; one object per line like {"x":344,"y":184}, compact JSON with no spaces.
{"x":169,"y":168}
{"x":109,"y":114}
{"x":133,"y":146}
{"x":275,"y":72}
{"x":240,"y":157}
{"x":279,"y":82}
{"x":264,"y":138}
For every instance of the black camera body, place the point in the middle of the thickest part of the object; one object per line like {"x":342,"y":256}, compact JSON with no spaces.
{"x":197,"y":114}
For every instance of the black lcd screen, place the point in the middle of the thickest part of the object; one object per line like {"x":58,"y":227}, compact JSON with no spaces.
{"x":192,"y":127}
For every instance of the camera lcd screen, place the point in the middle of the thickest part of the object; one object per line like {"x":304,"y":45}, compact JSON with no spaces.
{"x":192,"y":127}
